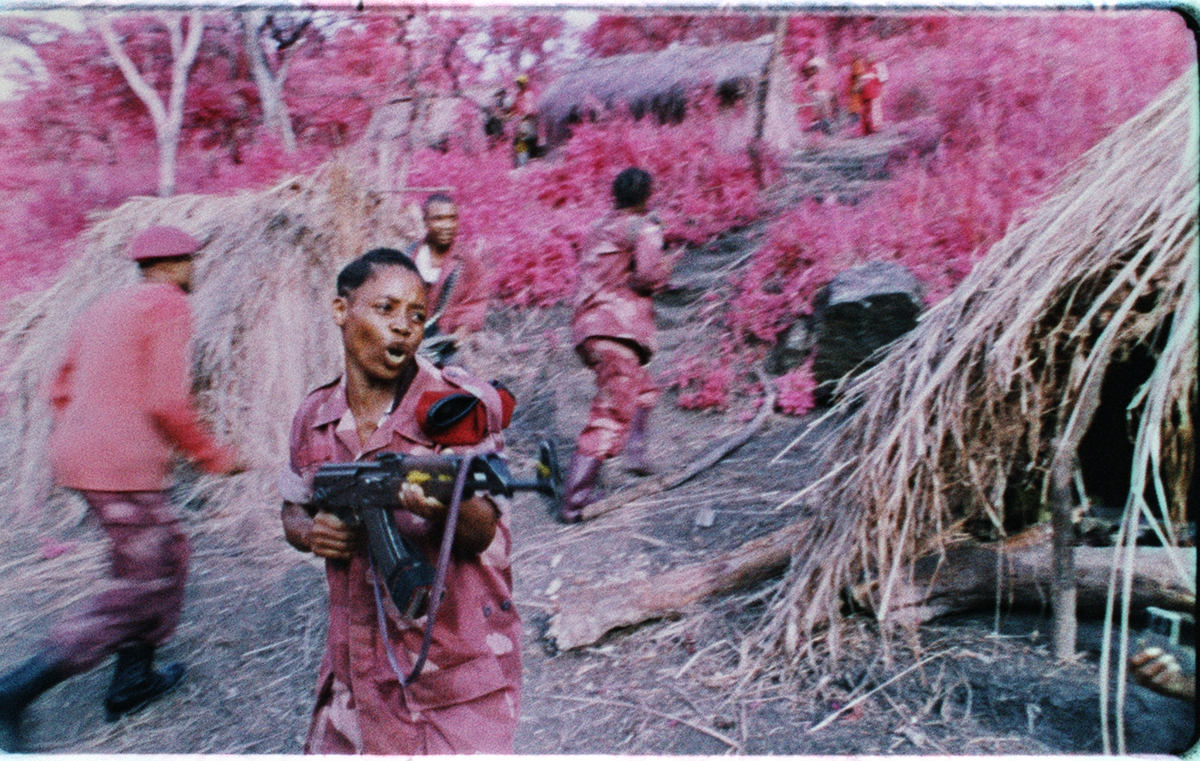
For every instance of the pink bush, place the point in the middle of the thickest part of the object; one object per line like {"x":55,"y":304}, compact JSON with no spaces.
{"x":704,"y":386}
{"x":796,"y":390}
{"x":1018,"y":98}
{"x":533,"y":222}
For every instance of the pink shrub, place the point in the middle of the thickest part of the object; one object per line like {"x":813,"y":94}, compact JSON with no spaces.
{"x":533,"y":222}
{"x":1018,"y":99}
{"x":707,"y":389}
{"x":796,"y":390}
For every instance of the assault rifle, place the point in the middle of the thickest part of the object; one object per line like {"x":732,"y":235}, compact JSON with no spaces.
{"x":365,"y":493}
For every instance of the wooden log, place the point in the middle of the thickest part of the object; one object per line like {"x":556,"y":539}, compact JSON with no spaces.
{"x":585,"y":615}
{"x":965,"y":579}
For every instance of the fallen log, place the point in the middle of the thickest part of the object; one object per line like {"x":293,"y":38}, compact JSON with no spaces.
{"x":965,"y":579}
{"x":587,"y":614}
{"x":962,"y":579}
{"x":702,"y":463}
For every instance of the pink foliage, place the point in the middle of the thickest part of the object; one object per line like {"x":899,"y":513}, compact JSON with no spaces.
{"x":533,"y":221}
{"x":1018,"y":98}
{"x":796,"y":391}
{"x":614,"y":34}
{"x":1007,"y":102}
{"x":704,"y":382}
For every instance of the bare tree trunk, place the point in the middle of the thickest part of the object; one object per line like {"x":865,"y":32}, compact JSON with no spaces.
{"x":270,"y":86}
{"x":760,"y":100}
{"x":168,"y":118}
{"x":586,"y":614}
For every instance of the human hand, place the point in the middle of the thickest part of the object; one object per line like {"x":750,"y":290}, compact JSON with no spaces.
{"x":1158,"y":670}
{"x":330,"y":538}
{"x":413,"y":499}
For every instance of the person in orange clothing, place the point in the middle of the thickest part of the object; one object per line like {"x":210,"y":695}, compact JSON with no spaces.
{"x":854,"y":99}
{"x":868,"y":77}
{"x":121,"y":406}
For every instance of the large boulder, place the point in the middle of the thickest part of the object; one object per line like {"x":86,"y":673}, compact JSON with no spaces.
{"x":857,"y":313}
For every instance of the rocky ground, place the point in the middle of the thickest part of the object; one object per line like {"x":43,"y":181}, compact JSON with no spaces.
{"x":253,"y":627}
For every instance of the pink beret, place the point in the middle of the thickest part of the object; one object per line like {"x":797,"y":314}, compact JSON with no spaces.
{"x":158,"y":242}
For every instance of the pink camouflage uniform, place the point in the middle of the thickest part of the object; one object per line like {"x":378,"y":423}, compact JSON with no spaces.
{"x":466,"y":306}
{"x":613,"y":327}
{"x":122,"y":406}
{"x":467,"y":698}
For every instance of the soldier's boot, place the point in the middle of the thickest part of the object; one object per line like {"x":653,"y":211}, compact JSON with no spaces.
{"x":136,"y":683}
{"x":19,"y":688}
{"x":582,"y":474}
{"x":637,"y":460}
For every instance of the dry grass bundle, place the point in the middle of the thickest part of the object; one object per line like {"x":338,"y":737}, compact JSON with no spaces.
{"x":263,"y":336}
{"x":971,"y":405}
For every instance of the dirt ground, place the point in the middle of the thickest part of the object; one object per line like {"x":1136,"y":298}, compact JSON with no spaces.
{"x":253,"y":628}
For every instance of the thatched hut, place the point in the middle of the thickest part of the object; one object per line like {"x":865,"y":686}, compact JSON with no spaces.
{"x":261,"y":299}
{"x":967,"y":416}
{"x":659,"y":84}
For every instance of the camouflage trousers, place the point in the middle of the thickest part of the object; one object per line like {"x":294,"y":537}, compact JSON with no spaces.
{"x":623,"y":385}
{"x":144,"y":596}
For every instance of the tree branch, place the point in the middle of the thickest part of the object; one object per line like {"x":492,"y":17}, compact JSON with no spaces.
{"x":137,"y":83}
{"x":183,"y":64}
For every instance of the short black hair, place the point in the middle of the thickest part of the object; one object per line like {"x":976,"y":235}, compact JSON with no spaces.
{"x":436,"y":198}
{"x":631,"y":188}
{"x":359,"y":271}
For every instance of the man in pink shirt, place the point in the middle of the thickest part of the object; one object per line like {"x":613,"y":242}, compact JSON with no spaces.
{"x":122,"y":408}
{"x":613,"y":330}
{"x":454,"y":275}
{"x":467,"y":697}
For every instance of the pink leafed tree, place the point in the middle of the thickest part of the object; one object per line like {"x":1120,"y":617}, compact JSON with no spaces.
{"x":166,"y":109}
{"x":1010,"y":100}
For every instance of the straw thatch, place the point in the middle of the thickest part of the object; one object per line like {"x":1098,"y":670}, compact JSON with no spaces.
{"x":263,"y":335}
{"x":969,"y":407}
{"x":658,"y":83}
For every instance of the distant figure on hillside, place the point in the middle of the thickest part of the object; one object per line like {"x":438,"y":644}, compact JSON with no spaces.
{"x":819,"y":97}
{"x":854,"y":99}
{"x":525,"y":136}
{"x":622,"y":265}
{"x":458,"y":297}
{"x":121,"y":406}
{"x":867,"y":77}
{"x":497,"y":115}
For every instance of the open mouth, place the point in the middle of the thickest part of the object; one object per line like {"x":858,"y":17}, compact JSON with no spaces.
{"x":397,"y":353}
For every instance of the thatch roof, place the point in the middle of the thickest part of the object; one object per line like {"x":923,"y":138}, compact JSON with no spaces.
{"x":261,"y":299}
{"x":641,"y":77}
{"x":971,"y":404}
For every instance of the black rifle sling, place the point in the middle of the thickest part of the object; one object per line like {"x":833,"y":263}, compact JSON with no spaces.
{"x":443,"y":300}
